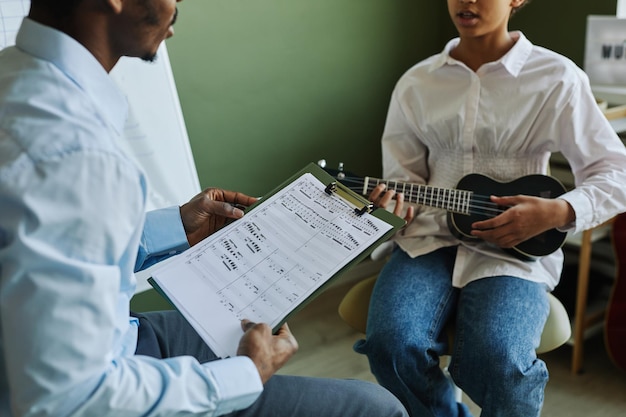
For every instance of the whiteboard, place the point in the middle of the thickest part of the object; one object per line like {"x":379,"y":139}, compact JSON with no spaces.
{"x":155,"y":131}
{"x":155,"y":134}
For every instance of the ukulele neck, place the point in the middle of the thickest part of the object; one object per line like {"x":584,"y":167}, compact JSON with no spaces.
{"x":455,"y":201}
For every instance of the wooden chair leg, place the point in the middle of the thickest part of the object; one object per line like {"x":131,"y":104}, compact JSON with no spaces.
{"x":584,"y":261}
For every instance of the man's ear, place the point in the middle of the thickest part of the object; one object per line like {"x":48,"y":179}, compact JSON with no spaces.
{"x":115,"y":5}
{"x":517,"y":3}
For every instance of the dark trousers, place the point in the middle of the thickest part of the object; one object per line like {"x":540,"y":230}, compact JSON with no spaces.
{"x":167,"y":334}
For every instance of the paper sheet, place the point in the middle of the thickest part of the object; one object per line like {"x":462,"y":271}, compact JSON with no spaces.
{"x":263,"y":266}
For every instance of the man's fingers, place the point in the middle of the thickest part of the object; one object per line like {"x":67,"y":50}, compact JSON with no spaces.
{"x":247,"y":324}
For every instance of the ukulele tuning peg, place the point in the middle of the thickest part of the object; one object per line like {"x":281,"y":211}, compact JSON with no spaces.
{"x":321,"y":163}
{"x":340,"y":175}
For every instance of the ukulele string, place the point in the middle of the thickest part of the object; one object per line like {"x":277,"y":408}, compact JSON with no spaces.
{"x":481,"y":204}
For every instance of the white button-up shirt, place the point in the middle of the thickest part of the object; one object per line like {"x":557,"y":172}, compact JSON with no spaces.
{"x":446,"y":121}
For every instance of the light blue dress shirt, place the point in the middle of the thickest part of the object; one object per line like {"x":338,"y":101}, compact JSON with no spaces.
{"x":73,"y":229}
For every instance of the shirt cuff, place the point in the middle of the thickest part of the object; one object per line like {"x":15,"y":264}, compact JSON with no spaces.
{"x":583,"y":210}
{"x":164,"y":233}
{"x":239,"y":383}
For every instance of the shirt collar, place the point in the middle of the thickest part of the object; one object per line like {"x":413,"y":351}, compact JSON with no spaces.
{"x":78,"y":64}
{"x":513,"y":61}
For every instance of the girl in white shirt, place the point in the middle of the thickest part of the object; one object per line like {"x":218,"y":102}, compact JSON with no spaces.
{"x":490,"y":103}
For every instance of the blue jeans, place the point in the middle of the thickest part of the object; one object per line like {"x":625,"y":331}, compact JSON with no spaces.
{"x":499,"y":321}
{"x":166,"y":334}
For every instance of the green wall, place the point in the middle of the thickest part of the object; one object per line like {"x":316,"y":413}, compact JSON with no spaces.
{"x":267,"y":86}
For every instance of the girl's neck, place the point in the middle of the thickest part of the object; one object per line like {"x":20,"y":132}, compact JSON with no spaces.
{"x":477,"y":51}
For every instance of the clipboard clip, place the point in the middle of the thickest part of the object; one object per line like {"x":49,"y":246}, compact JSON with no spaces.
{"x":362,"y":204}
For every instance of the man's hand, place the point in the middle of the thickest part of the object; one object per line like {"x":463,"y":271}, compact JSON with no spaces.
{"x":211,"y":209}
{"x":525,"y":217}
{"x":382,"y":198}
{"x":268,"y":352}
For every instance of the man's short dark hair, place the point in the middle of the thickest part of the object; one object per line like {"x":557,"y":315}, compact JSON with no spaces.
{"x":58,"y":8}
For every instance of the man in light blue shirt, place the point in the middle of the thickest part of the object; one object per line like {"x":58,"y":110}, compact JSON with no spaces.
{"x":73,"y":229}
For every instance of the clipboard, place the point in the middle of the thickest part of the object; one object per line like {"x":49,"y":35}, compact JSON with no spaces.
{"x":197,"y":291}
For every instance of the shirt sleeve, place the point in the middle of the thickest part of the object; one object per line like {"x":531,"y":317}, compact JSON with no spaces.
{"x":596,"y":156}
{"x":163,"y":236}
{"x":64,"y":316}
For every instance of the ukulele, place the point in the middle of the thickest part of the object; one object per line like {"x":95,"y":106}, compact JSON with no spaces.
{"x":615,"y":323}
{"x":470,"y":202}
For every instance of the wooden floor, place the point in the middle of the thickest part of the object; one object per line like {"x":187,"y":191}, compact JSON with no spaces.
{"x":326,"y":350}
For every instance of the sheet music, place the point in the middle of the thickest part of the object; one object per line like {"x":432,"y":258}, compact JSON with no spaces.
{"x":11,"y":14}
{"x":263,"y":266}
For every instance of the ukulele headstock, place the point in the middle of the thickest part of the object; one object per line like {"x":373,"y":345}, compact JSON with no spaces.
{"x":338,"y":173}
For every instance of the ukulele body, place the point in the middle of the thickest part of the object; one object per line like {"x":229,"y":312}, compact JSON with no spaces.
{"x":483,"y":187}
